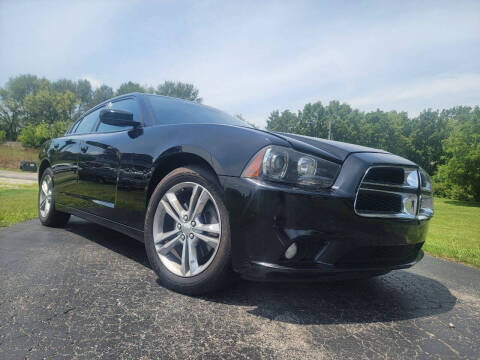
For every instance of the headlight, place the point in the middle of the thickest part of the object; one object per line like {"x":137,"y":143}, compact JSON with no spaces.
{"x":426,"y":197}
{"x":281,"y":164}
{"x":275,"y":163}
{"x":425,"y":181}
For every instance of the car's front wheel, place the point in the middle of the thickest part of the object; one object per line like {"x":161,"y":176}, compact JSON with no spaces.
{"x":47,"y":213}
{"x":187,"y":232}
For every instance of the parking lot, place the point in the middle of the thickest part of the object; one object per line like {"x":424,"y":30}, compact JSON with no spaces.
{"x":87,"y":292}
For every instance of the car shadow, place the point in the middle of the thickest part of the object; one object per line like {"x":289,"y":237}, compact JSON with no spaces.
{"x":110,"y":239}
{"x":399,"y":295}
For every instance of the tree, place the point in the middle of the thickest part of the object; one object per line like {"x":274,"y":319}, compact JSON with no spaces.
{"x":83,"y":91}
{"x":425,"y":141}
{"x":10,"y":115}
{"x":12,"y":97}
{"x":284,"y":122}
{"x":179,"y":90}
{"x":49,"y":107}
{"x":100,"y":94}
{"x":311,"y":120}
{"x":129,"y":87}
{"x":19,"y":87}
{"x":460,"y":175}
{"x":34,"y":135}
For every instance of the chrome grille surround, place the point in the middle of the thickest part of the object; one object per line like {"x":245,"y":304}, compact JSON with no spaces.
{"x":381,"y":195}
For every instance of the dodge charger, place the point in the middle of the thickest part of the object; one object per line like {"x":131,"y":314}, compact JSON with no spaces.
{"x":212,"y":197}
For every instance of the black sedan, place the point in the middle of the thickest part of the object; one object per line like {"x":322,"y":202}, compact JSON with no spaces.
{"x":211,"y":196}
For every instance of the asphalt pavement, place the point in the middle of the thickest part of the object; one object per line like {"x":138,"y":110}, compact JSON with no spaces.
{"x":86,"y":292}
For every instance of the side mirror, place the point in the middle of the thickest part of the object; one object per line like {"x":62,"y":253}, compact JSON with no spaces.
{"x":117,"y":118}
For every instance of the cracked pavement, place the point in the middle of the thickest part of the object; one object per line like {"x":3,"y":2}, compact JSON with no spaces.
{"x":86,"y":292}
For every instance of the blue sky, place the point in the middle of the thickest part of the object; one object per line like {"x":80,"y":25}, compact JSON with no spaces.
{"x":251,"y":57}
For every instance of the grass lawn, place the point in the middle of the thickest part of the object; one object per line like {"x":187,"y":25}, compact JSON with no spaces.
{"x":17,"y":203}
{"x":454,"y":230}
{"x":11,"y":153}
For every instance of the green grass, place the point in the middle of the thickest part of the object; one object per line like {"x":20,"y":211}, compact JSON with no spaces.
{"x":454,"y":231}
{"x":11,"y":153}
{"x":17,"y":203}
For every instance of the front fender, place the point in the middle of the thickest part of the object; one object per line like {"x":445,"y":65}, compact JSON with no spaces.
{"x":44,"y":150}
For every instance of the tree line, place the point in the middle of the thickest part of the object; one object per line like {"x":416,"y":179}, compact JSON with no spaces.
{"x":34,"y":109}
{"x":445,"y":143}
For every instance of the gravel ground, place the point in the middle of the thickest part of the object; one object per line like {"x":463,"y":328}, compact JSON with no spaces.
{"x":87,"y":292}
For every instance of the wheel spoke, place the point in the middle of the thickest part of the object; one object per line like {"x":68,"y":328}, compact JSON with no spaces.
{"x":192,"y":257}
{"x":211,"y":228}
{"x":162,"y":236}
{"x":213,"y":242}
{"x":49,"y":183}
{"x":45,"y":188}
{"x":166,"y":248}
{"x":201,"y":202}
{"x":42,"y":203}
{"x":184,"y":257}
{"x":170,"y":211}
{"x":192,"y":201}
{"x":172,"y":199}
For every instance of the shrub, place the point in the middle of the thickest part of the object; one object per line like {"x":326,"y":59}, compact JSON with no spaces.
{"x":35,"y":135}
{"x":3,"y":136}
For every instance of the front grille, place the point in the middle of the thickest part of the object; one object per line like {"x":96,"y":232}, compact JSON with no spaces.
{"x":379,"y":201}
{"x":386,"y":175}
{"x":388,"y":191}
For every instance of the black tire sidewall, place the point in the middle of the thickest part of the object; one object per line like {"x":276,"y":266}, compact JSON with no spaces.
{"x":219,"y":269}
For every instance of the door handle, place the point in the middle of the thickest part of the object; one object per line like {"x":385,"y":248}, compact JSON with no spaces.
{"x":84,"y":149}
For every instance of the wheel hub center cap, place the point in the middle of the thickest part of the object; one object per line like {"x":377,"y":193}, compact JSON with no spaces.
{"x":186,"y":228}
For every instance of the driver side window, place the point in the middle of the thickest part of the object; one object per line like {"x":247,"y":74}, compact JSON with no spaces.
{"x":87,"y":123}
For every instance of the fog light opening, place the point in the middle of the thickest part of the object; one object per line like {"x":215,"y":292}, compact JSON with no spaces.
{"x":291,"y":251}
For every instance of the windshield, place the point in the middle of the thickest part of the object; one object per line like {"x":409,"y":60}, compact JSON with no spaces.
{"x":176,"y":111}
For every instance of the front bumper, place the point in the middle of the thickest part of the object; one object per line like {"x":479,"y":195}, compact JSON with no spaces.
{"x":333,"y":241}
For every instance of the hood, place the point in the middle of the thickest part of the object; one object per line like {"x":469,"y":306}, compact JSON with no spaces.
{"x":333,"y":150}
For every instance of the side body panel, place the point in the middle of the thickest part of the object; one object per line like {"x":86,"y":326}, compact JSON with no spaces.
{"x":63,"y":155}
{"x":98,"y":165}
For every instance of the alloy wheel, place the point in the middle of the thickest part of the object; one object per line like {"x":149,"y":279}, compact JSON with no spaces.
{"x":187,"y":229}
{"x":45,"y":198}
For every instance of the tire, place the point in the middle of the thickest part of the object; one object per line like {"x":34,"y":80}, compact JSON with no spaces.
{"x":195,"y":277}
{"x":49,"y":216}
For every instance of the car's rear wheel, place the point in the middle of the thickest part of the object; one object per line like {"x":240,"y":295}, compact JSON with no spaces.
{"x":187,"y":232}
{"x":47,"y":213}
